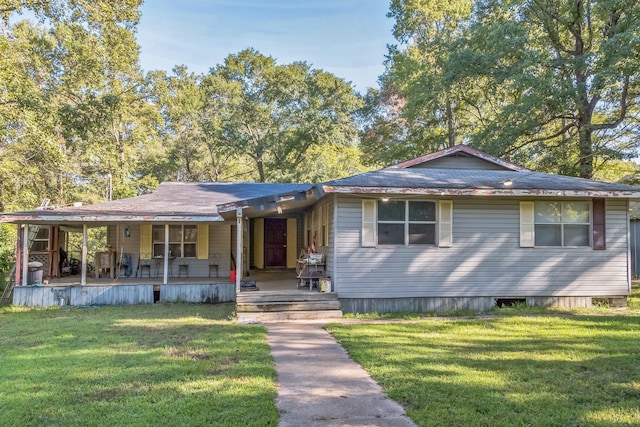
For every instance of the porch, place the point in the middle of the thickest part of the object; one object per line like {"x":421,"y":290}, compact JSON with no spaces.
{"x":278,"y":296}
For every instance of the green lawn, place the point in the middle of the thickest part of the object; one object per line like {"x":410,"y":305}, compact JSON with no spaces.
{"x":545,"y":370}
{"x":155,"y":365}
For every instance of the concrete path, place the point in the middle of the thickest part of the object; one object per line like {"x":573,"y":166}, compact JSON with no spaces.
{"x":320,"y":385}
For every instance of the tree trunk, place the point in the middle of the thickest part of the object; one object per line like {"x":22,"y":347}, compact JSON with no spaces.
{"x":451,"y":125}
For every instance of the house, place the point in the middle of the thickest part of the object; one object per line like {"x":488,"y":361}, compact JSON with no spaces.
{"x":456,"y":229}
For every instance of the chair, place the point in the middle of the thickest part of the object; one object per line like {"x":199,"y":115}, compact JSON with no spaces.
{"x":213,"y":264}
{"x":183,"y":267}
{"x":145,"y":264}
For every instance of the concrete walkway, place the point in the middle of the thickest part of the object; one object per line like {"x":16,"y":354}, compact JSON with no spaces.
{"x":320,"y":385}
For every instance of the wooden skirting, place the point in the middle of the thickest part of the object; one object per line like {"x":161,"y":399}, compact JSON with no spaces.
{"x":45,"y":296}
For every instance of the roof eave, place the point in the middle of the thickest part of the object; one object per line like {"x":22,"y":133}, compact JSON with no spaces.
{"x":34,"y":218}
{"x":481,"y":192}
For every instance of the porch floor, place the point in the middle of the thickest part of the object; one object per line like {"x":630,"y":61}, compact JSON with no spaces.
{"x":278,"y":281}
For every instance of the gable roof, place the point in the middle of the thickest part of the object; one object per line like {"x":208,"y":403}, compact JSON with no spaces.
{"x":459,"y":150}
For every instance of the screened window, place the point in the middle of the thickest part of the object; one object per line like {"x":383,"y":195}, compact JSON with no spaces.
{"x":403,"y":222}
{"x":183,"y":241}
{"x":564,"y":224}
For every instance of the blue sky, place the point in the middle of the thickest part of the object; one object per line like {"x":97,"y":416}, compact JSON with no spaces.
{"x":345,"y":37}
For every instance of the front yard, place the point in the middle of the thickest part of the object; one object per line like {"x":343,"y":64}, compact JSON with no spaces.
{"x":193,"y":365}
{"x":158,"y":365}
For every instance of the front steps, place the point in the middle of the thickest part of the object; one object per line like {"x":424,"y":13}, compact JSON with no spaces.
{"x":259,"y":306}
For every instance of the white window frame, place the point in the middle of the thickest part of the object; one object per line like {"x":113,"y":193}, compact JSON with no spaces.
{"x":181,"y":242}
{"x":562,"y":224}
{"x":407,"y":222}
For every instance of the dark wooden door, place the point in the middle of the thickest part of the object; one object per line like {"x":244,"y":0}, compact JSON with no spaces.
{"x":275,"y":242}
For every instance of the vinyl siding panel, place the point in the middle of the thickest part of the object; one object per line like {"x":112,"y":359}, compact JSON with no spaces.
{"x":485,"y":259}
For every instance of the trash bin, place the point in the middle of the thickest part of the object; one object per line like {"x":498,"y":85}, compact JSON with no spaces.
{"x":34,"y":275}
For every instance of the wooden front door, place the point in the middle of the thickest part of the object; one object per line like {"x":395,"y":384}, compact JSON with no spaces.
{"x":275,"y":242}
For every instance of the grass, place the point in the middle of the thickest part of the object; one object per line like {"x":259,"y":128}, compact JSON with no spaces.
{"x":512,"y":370}
{"x":163,"y":364}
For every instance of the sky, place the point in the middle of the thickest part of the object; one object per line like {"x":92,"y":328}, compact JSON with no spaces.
{"x":347,"y":38}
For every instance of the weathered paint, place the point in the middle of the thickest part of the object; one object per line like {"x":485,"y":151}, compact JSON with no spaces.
{"x":482,"y":192}
{"x":102,"y":219}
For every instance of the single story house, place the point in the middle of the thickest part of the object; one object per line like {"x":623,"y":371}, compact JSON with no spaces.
{"x":456,"y":229}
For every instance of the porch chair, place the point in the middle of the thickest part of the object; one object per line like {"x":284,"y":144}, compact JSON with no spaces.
{"x":213,"y":264}
{"x":183,"y":267}
{"x":145,"y":264}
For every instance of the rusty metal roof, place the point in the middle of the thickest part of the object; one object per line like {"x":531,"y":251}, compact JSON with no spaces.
{"x":475,"y":182}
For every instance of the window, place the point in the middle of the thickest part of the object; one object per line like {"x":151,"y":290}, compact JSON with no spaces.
{"x":564,"y":224}
{"x":182,"y":240}
{"x":402,"y":222}
{"x":40,"y":242}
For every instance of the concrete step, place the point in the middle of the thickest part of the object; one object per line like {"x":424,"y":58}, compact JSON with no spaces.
{"x":288,"y":306}
{"x":263,"y":297}
{"x":254,"y":317}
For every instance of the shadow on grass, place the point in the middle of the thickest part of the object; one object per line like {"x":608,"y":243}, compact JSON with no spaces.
{"x":508,"y":371}
{"x":157,"y":365}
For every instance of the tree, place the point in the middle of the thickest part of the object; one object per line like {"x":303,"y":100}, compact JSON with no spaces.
{"x":274,"y":114}
{"x":57,"y":73}
{"x":574,"y":65}
{"x":551,"y":84}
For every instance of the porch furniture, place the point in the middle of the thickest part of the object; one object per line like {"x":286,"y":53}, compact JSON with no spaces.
{"x":159,"y":265}
{"x":106,"y":261}
{"x":183,"y":268}
{"x":213,"y":264}
{"x":309,"y":269}
{"x":145,"y":264}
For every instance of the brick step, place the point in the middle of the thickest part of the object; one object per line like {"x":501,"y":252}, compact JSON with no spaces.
{"x":254,"y":317}
{"x":273,"y":306}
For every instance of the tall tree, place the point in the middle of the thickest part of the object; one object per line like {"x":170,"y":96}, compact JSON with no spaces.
{"x":274,"y":114}
{"x":575,"y":66}
{"x":59,"y":69}
{"x":553,"y":84}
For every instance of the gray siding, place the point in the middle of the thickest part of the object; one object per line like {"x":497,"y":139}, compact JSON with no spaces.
{"x":459,"y":162}
{"x":485,"y":260}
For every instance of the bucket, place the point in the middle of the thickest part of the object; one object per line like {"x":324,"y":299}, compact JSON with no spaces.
{"x":325,"y":284}
{"x":232,"y":273}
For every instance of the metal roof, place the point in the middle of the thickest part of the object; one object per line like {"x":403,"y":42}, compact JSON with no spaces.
{"x":476,"y":182}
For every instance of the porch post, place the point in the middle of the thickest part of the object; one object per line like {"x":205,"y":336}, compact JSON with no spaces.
{"x":238,"y":249}
{"x":25,"y":254}
{"x":165,"y":276}
{"x":83,"y":274}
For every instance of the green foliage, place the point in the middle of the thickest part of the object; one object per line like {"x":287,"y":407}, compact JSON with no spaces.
{"x":551,"y":85}
{"x":163,"y":364}
{"x":506,"y":371}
